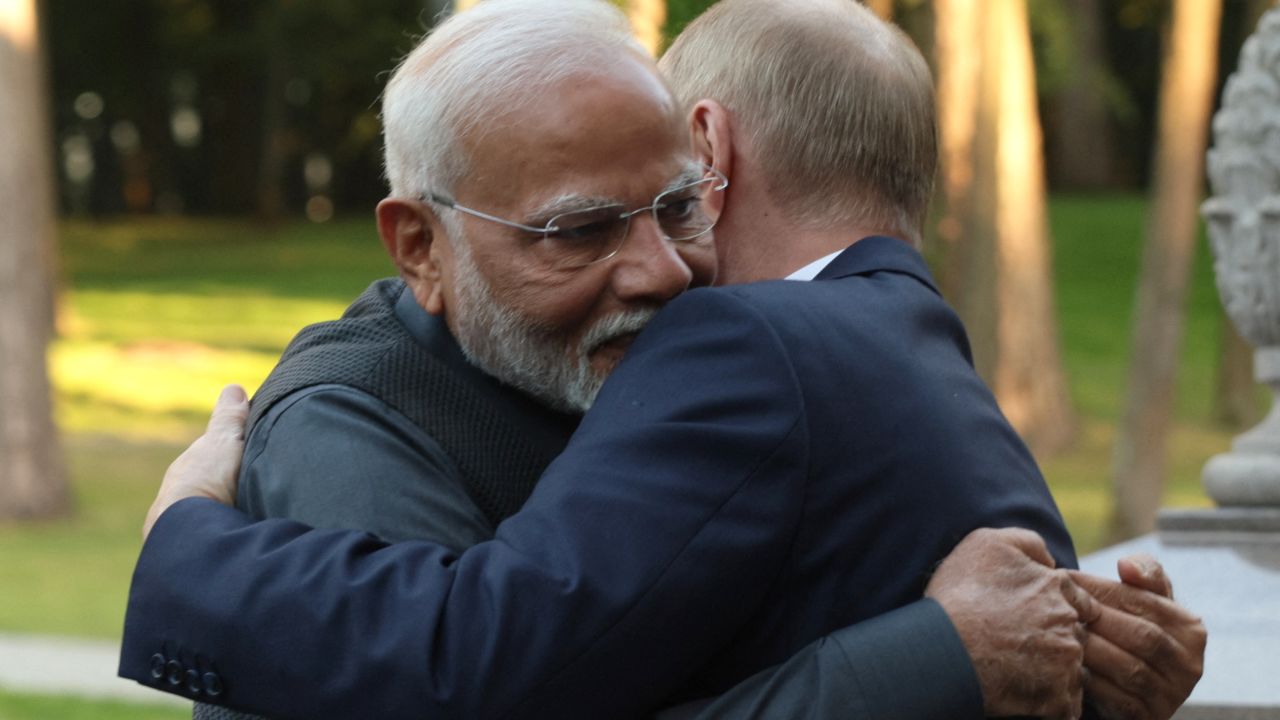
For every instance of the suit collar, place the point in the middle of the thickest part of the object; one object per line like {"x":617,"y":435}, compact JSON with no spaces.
{"x":875,"y":254}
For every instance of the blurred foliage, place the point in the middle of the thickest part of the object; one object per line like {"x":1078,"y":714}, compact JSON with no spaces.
{"x":303,"y":74}
{"x":274,"y":87}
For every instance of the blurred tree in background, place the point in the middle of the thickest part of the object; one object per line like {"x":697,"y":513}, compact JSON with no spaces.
{"x":32,"y":475}
{"x":223,"y":106}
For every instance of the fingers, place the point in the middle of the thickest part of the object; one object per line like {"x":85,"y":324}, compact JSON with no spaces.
{"x":1112,"y":702}
{"x":1143,"y":571}
{"x":1150,"y":644}
{"x":230,"y":413}
{"x":1088,"y":610}
{"x":1147,"y":605}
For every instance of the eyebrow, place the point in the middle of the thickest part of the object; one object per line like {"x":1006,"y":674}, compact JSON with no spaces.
{"x":569,"y":202}
{"x":573,"y":202}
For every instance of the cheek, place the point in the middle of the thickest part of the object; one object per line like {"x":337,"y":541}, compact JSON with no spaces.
{"x":559,"y":302}
{"x":702,"y":262}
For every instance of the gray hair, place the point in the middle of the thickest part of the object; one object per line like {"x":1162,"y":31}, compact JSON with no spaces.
{"x":493,"y":60}
{"x":837,"y":104}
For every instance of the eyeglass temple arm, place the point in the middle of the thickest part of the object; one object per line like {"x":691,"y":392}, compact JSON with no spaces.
{"x":453,"y":205}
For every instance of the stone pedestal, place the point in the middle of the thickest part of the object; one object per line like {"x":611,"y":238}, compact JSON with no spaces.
{"x":1225,"y":563}
{"x":1225,"y":566}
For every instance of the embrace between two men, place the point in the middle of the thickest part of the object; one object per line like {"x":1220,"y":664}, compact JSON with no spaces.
{"x":766,"y":511}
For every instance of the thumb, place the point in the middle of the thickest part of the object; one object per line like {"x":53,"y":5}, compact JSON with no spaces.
{"x":230,"y":413}
{"x":1143,"y":571}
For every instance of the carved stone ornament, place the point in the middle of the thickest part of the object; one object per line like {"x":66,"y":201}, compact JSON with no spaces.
{"x":1243,"y":219}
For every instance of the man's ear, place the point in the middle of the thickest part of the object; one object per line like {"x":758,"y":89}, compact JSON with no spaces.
{"x":712,"y":134}
{"x":409,"y":232}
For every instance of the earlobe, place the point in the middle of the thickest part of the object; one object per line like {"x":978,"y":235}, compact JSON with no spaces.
{"x":408,"y":236}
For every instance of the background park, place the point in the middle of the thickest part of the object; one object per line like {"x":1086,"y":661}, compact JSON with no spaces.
{"x":186,"y":183}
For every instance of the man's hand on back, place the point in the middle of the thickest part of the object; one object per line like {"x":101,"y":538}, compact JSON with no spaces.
{"x":209,"y":468}
{"x":1145,"y":653}
{"x":1020,"y":619}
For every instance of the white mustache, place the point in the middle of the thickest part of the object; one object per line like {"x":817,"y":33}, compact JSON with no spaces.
{"x":615,"y":326}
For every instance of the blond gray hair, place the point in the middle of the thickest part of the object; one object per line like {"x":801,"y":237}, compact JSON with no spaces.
{"x":495,"y":59}
{"x":837,"y":104}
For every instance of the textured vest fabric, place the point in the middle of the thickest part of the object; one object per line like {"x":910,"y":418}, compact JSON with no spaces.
{"x":370,"y":350}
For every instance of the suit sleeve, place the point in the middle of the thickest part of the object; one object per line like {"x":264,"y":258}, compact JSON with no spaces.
{"x":907,"y":663}
{"x":644,"y":548}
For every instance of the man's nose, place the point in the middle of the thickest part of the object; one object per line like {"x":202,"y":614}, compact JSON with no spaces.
{"x":647,"y":267}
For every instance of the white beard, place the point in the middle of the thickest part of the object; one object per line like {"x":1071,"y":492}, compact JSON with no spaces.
{"x":525,"y":353}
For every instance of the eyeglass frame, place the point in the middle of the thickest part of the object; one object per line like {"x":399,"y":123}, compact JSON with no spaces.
{"x":550,"y":228}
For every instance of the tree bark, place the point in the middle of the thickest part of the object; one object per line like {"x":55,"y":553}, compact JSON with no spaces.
{"x":1007,"y":294}
{"x":957,"y":60}
{"x":1082,"y":139}
{"x":648,"y":17}
{"x":1186,"y":101}
{"x":32,"y":478}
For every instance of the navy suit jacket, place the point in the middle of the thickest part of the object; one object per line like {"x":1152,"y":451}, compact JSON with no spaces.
{"x":770,"y":463}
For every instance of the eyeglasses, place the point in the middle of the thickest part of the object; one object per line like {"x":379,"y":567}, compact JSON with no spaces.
{"x":581,"y":237}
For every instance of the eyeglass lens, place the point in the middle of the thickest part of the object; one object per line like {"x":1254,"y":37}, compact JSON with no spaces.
{"x":586,"y":236}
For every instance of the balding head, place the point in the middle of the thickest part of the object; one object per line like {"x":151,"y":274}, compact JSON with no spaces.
{"x":496,"y":59}
{"x":836,"y":105}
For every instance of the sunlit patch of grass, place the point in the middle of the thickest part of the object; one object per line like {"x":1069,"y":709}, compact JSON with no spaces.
{"x":23,"y":706}
{"x":228,"y":319}
{"x":146,"y":389}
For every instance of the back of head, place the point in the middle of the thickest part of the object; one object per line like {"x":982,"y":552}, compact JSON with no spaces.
{"x":837,"y":106}
{"x":497,"y":59}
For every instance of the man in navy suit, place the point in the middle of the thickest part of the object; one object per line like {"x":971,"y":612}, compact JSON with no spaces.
{"x":769,"y":463}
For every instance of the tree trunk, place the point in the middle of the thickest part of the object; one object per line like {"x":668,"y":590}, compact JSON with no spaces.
{"x":1186,"y":101}
{"x":883,"y":8}
{"x":648,"y":17}
{"x":1007,"y":295}
{"x":271,"y":161}
{"x":957,"y":60}
{"x":32,"y":479}
{"x":1082,"y":140}
{"x":1235,"y":398}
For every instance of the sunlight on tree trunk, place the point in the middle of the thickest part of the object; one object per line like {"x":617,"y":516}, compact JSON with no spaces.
{"x":32,"y":480}
{"x":956,"y":38}
{"x":883,"y":8}
{"x":648,"y":17}
{"x":1186,"y":101}
{"x":1029,"y":380}
{"x":1006,"y":295}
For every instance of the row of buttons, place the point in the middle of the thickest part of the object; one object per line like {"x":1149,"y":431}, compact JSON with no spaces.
{"x":172,"y":672}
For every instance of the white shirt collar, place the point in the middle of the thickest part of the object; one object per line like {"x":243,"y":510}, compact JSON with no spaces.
{"x":810,"y":271}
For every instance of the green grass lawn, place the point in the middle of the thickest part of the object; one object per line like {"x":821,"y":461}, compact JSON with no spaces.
{"x":159,"y":314}
{"x":15,"y":706}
